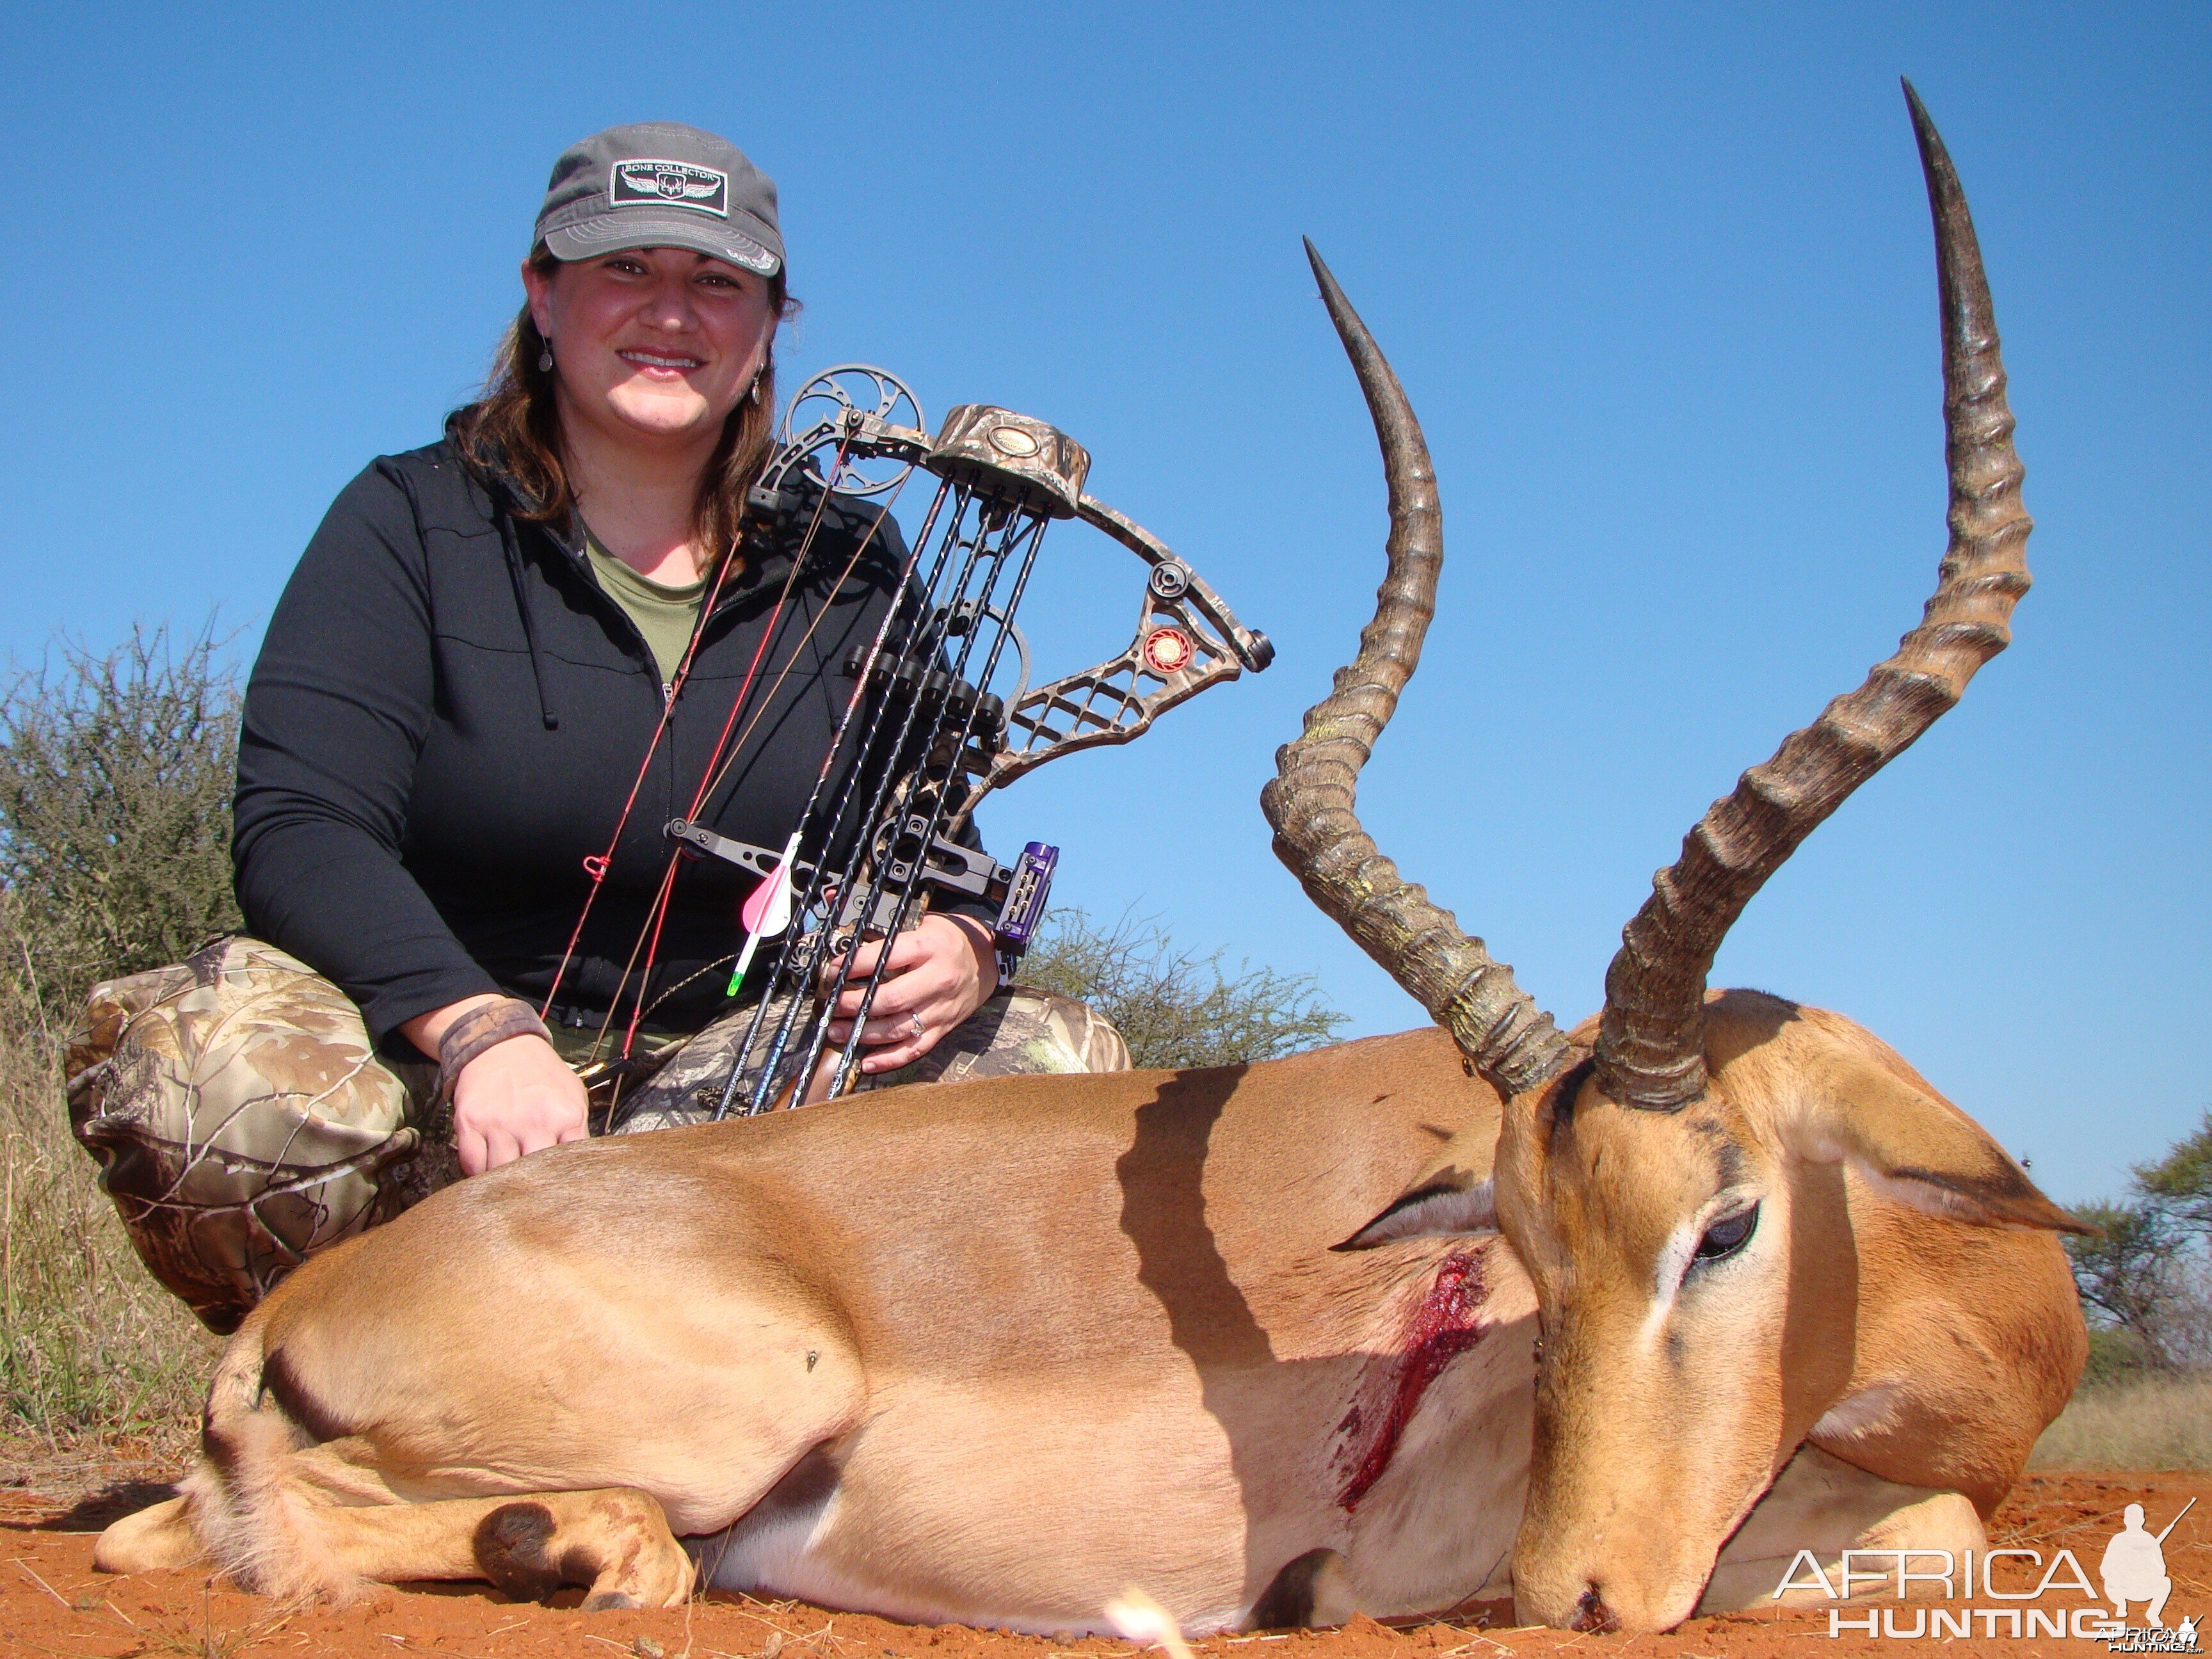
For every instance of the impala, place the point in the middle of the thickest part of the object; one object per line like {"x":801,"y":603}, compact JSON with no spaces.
{"x":1614,"y":1320}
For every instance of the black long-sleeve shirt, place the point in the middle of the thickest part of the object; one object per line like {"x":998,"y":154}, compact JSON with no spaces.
{"x":445,"y":720}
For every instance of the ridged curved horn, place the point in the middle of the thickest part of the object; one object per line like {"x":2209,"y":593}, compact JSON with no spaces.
{"x":1310,"y":803}
{"x":1650,"y":1051}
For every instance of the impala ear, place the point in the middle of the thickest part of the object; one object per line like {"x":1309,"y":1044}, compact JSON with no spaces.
{"x":1443,"y":1199}
{"x":1915,"y":1147}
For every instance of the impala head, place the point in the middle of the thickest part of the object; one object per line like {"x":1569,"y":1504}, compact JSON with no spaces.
{"x":1687,"y":1177}
{"x":1777,"y":1259}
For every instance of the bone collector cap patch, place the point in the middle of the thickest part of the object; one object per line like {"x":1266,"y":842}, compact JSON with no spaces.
{"x":658,"y":184}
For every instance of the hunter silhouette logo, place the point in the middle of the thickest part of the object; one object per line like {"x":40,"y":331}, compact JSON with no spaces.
{"x":2132,"y":1569}
{"x":670,"y":183}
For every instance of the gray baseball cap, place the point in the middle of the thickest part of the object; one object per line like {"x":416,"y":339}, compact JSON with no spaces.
{"x":658,"y":184}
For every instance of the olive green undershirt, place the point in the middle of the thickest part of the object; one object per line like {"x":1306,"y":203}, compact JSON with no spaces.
{"x":665,"y":616}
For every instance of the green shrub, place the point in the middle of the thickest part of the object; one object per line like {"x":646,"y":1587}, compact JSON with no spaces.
{"x":116,"y":772}
{"x":1175,"y":1007}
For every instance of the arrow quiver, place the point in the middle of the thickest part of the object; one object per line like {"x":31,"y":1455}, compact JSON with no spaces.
{"x":942,"y":710}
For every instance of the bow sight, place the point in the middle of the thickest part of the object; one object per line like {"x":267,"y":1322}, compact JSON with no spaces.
{"x":925,"y":734}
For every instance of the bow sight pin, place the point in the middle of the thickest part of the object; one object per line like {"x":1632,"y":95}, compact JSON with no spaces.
{"x":940,"y":712}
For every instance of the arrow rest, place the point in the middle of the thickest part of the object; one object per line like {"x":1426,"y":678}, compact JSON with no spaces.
{"x":924,"y":736}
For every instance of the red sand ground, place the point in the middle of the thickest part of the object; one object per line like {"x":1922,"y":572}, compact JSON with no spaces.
{"x":52,"y":1602}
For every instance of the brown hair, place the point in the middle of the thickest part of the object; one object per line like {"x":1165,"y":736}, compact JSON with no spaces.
{"x":514,"y":430}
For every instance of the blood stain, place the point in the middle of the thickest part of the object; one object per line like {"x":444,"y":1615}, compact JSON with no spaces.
{"x":1446,"y":1325}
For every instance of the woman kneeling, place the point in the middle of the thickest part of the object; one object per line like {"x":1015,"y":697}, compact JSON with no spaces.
{"x":445,"y":728}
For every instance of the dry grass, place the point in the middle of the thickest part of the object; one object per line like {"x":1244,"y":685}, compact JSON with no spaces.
{"x":2144,"y":1423}
{"x":95,"y":1346}
{"x":115,"y":777}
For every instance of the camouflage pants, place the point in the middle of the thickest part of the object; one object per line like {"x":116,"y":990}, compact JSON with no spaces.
{"x":243,"y":1120}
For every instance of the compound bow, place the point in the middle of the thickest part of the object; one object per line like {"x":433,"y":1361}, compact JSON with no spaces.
{"x":935,"y":739}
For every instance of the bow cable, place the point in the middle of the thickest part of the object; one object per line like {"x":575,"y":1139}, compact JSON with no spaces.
{"x":1010,"y":526}
{"x":719,"y":761}
{"x":597,"y":867}
{"x":1024,"y":529}
{"x":816,"y":882}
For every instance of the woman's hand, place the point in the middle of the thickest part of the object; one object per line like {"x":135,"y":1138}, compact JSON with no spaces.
{"x":514,"y":1098}
{"x":939,"y":973}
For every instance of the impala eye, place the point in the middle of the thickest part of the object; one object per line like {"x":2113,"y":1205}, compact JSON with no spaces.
{"x":1725,"y":1238}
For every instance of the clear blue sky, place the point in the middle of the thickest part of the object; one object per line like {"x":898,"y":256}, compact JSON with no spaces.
{"x":1658,"y":280}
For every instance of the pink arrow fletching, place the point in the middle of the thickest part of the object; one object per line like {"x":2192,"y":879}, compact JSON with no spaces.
{"x":768,"y":911}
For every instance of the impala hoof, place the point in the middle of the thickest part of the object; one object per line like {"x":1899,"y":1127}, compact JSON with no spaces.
{"x":512,"y":1547}
{"x":615,"y":1543}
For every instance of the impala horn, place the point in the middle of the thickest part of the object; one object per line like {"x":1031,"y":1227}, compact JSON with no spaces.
{"x":1310,"y":803}
{"x":1650,"y":1048}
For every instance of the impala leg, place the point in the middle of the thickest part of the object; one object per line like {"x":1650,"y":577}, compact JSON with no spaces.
{"x":614,"y":1542}
{"x":1825,"y":1505}
{"x":154,"y":1539}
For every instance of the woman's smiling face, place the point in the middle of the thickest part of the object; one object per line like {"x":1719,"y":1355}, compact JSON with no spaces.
{"x":653,"y":343}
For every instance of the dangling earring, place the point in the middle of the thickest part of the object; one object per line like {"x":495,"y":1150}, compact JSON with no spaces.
{"x":752,"y":392}
{"x":545,"y":358}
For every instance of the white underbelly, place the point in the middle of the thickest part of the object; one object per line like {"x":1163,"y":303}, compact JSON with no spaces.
{"x":1005,"y":1509}
{"x":797,"y":1556}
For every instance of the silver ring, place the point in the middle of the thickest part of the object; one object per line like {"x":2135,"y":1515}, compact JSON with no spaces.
{"x":914,"y":1020}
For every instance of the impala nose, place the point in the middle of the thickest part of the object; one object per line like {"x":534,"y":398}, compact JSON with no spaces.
{"x":1591,"y":1614}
